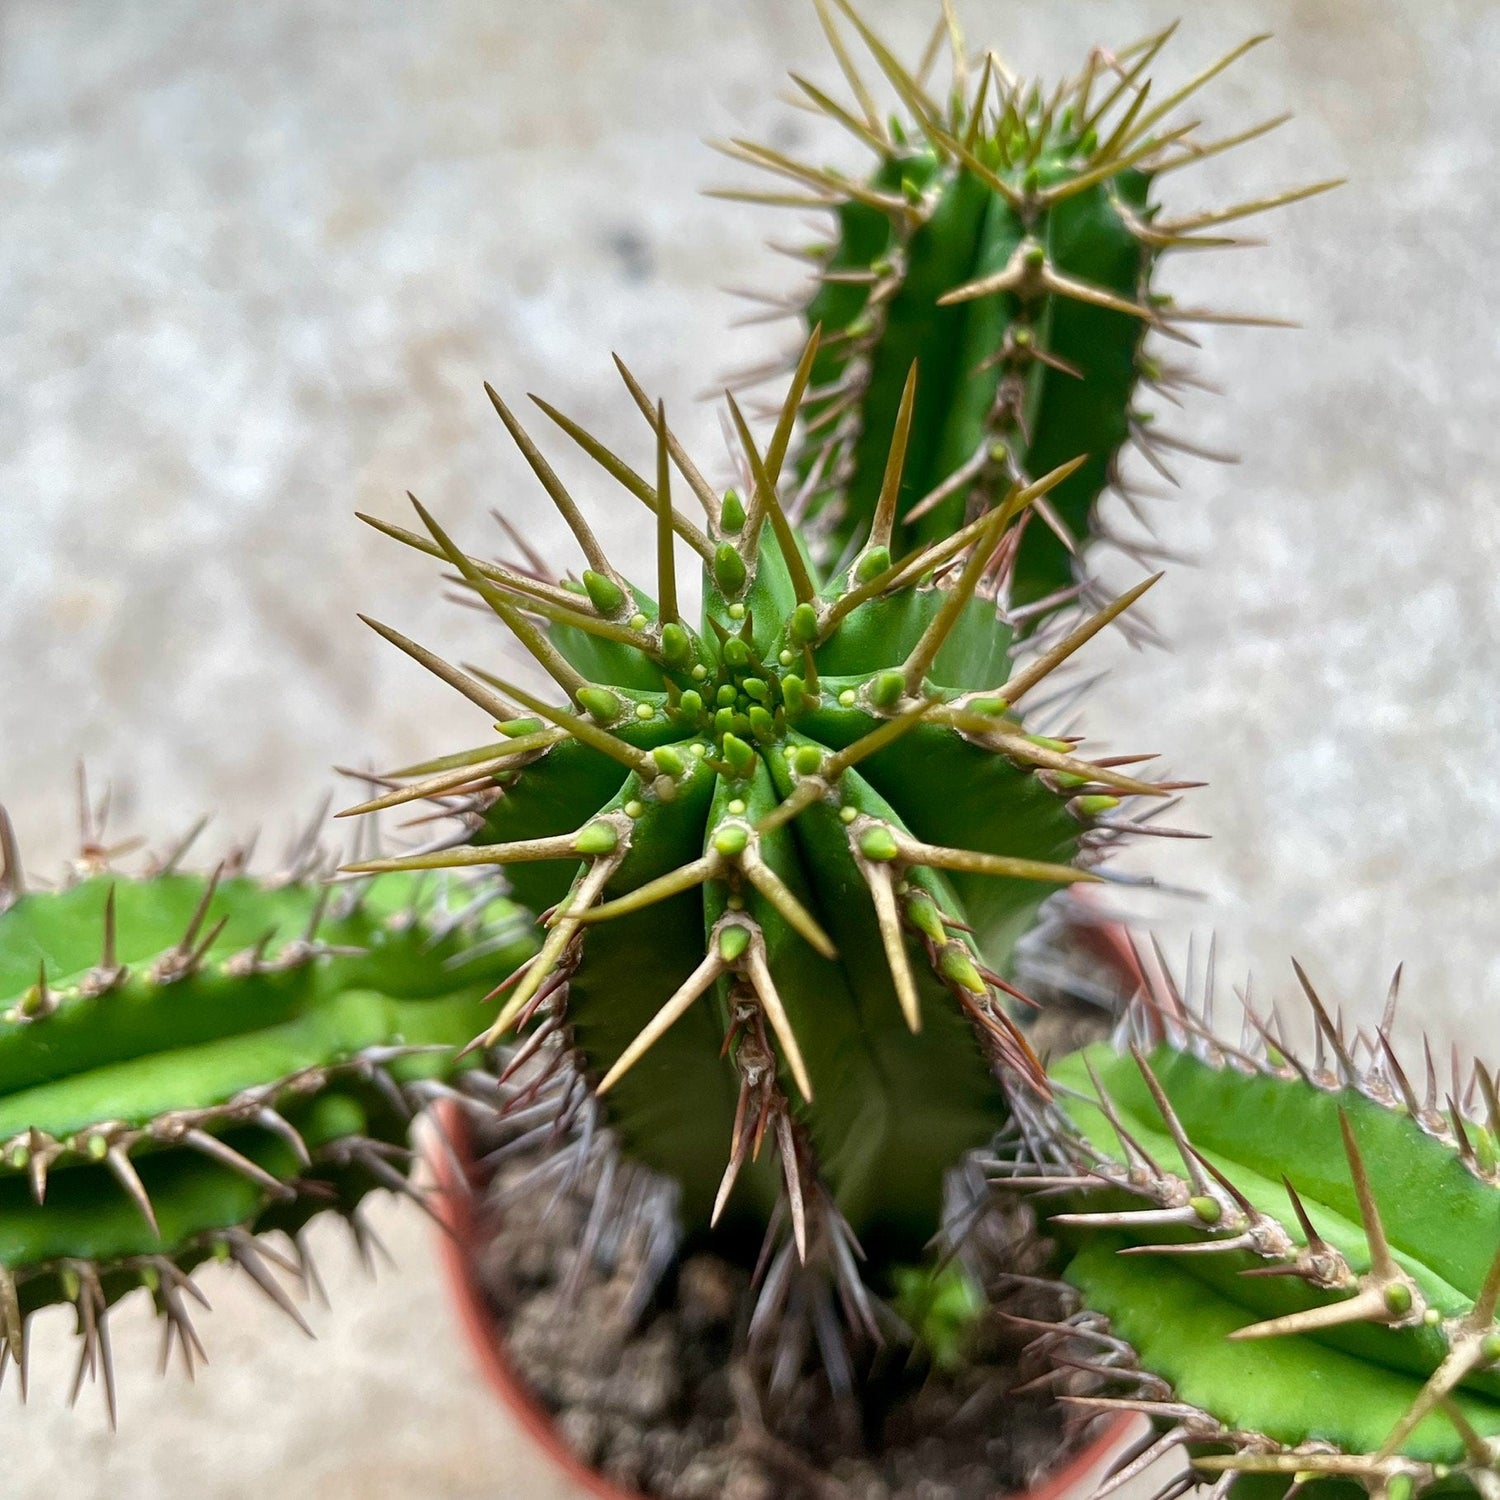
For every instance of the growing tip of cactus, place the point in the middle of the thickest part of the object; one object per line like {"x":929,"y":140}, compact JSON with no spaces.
{"x":1005,"y":241}
{"x":778,"y":841}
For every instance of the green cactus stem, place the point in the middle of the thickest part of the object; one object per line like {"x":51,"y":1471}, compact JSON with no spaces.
{"x":187,"y":1063}
{"x":1006,"y":242}
{"x":1303,"y":1255}
{"x":783,"y":854}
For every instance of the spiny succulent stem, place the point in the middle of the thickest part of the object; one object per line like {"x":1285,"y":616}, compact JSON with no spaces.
{"x":475,"y":692}
{"x":598,"y":559}
{"x":1042,"y":666}
{"x":625,"y":475}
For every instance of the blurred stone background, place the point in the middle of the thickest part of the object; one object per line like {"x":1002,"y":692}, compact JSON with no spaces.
{"x":257,"y":259}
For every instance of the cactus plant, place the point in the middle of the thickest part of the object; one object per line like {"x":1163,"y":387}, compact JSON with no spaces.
{"x":786,"y":853}
{"x":1298,"y":1259}
{"x":188,"y":1062}
{"x":1006,"y":242}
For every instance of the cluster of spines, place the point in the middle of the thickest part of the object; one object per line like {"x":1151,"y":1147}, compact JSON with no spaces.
{"x":131,"y":1184}
{"x":1051,"y":361}
{"x":1386,"y":1331}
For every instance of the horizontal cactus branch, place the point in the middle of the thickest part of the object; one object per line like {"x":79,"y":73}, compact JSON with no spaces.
{"x":1303,"y":1254}
{"x":782,"y":854}
{"x":1005,"y":242}
{"x":189,"y":1062}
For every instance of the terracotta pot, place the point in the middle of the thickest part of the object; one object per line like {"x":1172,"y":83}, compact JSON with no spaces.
{"x":458,"y":1254}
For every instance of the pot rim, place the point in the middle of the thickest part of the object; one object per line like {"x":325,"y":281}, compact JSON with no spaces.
{"x":452,"y":1168}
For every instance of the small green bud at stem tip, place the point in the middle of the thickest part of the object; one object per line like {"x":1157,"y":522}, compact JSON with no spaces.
{"x":514,"y":729}
{"x":599,"y":703}
{"x":730,"y":841}
{"x":729,"y":570}
{"x":804,"y":626}
{"x":872,"y":564}
{"x":676,"y":645}
{"x":1210,"y":1210}
{"x":957,"y":967}
{"x":886,"y":688}
{"x":762,"y":725}
{"x":739,"y":755}
{"x":1092,"y":807}
{"x":808,"y":760}
{"x":596,"y":838}
{"x":733,"y":941}
{"x":669,"y":761}
{"x":793,"y":695}
{"x":731,"y":513}
{"x":878,"y":843}
{"x":604,"y":593}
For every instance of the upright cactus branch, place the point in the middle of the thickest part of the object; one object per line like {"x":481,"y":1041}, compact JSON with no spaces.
{"x":1005,"y":243}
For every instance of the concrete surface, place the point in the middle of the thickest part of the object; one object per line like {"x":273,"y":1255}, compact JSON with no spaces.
{"x":257,"y":259}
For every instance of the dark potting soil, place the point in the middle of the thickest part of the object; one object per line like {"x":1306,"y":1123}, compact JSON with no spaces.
{"x":672,"y":1405}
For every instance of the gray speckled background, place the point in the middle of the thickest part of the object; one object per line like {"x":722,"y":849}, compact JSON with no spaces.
{"x":258,"y":257}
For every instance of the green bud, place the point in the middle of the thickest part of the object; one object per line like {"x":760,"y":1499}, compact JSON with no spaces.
{"x":1092,"y":807}
{"x":808,"y":760}
{"x":1209,"y":1210}
{"x":513,"y":729}
{"x":724,"y":721}
{"x":727,"y":695}
{"x":728,"y":570}
{"x":762,"y":724}
{"x":756,"y":688}
{"x":676,"y":645}
{"x":872,"y":564}
{"x":731,"y":839}
{"x":740,"y":756}
{"x":956,"y":965}
{"x":991,"y":707}
{"x":1398,"y":1298}
{"x":793,"y":695}
{"x":887,"y":688}
{"x":736,"y":653}
{"x":600,"y":704}
{"x":731,"y":513}
{"x":604,"y":593}
{"x":733,"y":940}
{"x":804,"y":628}
{"x":878,"y":843}
{"x":669,"y":761}
{"x":922,"y":912}
{"x":690,"y":705}
{"x":597,"y":837}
